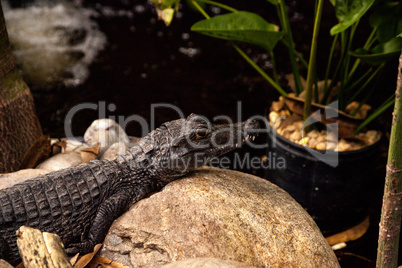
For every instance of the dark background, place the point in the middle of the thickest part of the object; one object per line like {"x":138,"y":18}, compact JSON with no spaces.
{"x":142,"y":64}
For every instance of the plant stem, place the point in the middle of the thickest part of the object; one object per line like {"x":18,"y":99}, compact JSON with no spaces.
{"x":358,"y":81}
{"x":347,"y":55}
{"x":283,"y":16}
{"x":331,"y":55}
{"x":390,"y":224}
{"x":260,"y":71}
{"x":362,"y":87}
{"x":366,"y":46}
{"x":273,"y":62}
{"x":202,"y":11}
{"x":244,"y":55}
{"x":228,"y":8}
{"x":311,"y":66}
{"x":298,"y":54}
{"x":375,"y":114}
{"x":336,"y":72}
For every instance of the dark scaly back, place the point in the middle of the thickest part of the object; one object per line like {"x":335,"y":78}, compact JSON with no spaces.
{"x":66,"y":201}
{"x":62,"y":202}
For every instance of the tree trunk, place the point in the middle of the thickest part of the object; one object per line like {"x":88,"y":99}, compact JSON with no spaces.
{"x":390,"y":225}
{"x":19,"y":125}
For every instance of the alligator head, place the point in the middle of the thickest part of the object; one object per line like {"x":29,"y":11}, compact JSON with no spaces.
{"x":182,"y":145}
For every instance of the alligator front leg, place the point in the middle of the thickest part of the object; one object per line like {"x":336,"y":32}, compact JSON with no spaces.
{"x":108,"y":211}
{"x":4,"y":249}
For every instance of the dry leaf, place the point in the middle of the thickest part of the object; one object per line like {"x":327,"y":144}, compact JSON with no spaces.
{"x":98,"y":262}
{"x":21,"y":265}
{"x":74,"y":259}
{"x":350,"y":234}
{"x":292,"y":84}
{"x":66,"y":146}
{"x":58,"y":147}
{"x":83,"y":262}
{"x":90,"y":153}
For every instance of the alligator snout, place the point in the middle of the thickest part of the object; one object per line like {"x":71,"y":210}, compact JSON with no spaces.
{"x":251,"y":128}
{"x":252,"y":124}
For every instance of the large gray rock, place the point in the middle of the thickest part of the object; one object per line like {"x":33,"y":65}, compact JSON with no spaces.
{"x":206,"y":263}
{"x":9,"y":179}
{"x":219,"y":214}
{"x":106,"y":132}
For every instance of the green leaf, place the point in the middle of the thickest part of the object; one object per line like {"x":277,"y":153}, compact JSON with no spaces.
{"x":393,"y":45}
{"x":164,"y":4}
{"x":387,"y":19}
{"x":274,"y":2}
{"x":349,"y":12}
{"x":381,"y":53}
{"x":240,"y":26}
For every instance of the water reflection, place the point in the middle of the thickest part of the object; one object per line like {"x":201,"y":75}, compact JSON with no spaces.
{"x":53,"y":42}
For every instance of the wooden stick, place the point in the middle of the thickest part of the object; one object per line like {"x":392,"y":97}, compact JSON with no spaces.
{"x":39,"y":249}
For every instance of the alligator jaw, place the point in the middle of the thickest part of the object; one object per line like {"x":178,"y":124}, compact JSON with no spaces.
{"x":218,"y":151}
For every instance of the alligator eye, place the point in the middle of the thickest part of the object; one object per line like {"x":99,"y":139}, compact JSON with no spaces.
{"x":201,"y":133}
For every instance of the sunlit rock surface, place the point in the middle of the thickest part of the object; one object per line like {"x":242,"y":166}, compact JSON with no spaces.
{"x":206,"y":263}
{"x":116,"y":149}
{"x":61,"y":161}
{"x":220,"y":214}
{"x":9,"y":179}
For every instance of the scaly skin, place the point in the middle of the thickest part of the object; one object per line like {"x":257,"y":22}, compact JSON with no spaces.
{"x":80,"y":203}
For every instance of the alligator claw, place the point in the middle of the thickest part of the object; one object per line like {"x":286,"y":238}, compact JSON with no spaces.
{"x":83,"y":247}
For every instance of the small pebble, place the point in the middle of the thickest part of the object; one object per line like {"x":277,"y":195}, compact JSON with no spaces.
{"x":289,"y":128}
{"x":362,"y":113}
{"x":273,"y":116}
{"x":322,"y":140}
{"x":331,"y":136}
{"x":304,"y":141}
{"x":298,"y":124}
{"x":344,"y":145}
{"x":330,"y":146}
{"x":295,"y":136}
{"x":373,"y":136}
{"x":277,"y":106}
{"x":320,"y":146}
{"x":313,"y":134}
{"x":312,"y":143}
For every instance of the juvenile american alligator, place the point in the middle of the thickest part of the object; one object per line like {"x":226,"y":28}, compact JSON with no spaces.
{"x":80,"y":203}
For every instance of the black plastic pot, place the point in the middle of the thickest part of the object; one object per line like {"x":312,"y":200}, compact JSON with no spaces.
{"x":336,"y":197}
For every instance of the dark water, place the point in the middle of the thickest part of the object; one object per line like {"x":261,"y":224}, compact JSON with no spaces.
{"x":145,"y":63}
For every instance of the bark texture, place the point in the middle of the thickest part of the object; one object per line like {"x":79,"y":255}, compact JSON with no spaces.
{"x":19,"y":125}
{"x":390,"y":225}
